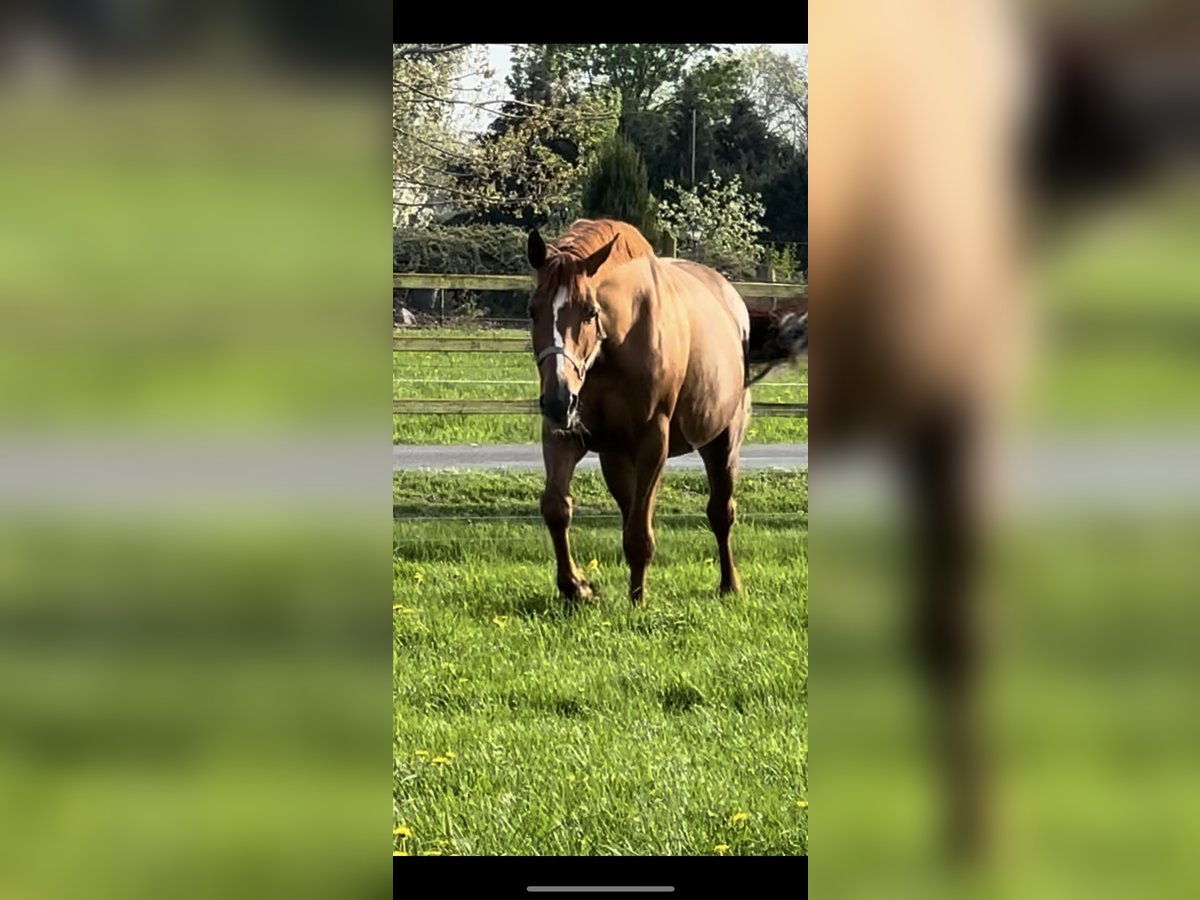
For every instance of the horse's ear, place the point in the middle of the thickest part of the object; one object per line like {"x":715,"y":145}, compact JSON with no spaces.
{"x":593,"y":263}
{"x":537,"y":250}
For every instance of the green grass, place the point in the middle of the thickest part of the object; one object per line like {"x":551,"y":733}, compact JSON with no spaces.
{"x":603,"y":730}
{"x":434,"y":375}
{"x":1089,"y":704}
{"x":1133,"y":270}
{"x":137,"y":326}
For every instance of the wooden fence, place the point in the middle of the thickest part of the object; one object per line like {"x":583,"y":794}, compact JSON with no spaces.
{"x":761,"y":295}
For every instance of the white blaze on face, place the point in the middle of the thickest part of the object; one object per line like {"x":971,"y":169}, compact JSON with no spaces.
{"x":560,"y":300}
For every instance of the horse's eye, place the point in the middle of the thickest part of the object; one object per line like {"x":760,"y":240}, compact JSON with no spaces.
{"x":590,"y":313}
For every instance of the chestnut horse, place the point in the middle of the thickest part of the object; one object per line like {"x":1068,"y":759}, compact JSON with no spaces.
{"x":640,"y":359}
{"x":918,"y":307}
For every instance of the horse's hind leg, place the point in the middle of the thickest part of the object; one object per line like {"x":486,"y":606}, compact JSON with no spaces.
{"x":561,"y":455}
{"x":638,"y":538}
{"x":721,"y":462}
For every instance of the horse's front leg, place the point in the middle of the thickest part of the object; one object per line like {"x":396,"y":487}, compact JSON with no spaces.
{"x":649,"y":461}
{"x":946,"y":469}
{"x":561,"y":455}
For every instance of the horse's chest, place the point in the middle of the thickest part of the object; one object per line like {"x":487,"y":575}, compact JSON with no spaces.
{"x":612,"y":410}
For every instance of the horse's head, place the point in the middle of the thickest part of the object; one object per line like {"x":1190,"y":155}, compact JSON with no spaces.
{"x":565,"y":325}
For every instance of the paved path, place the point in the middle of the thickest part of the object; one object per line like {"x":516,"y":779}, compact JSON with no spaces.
{"x":529,"y":456}
{"x":1083,"y":471}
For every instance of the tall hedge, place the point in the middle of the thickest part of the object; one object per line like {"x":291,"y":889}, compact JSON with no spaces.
{"x":463,"y":250}
{"x":460,"y":250}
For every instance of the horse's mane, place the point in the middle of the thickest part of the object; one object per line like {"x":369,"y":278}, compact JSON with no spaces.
{"x":586,"y":236}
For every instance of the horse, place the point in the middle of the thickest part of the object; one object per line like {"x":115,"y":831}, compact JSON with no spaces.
{"x":640,"y":358}
{"x":918,"y":310}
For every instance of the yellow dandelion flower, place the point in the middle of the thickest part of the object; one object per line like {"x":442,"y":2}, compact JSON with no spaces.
{"x":500,"y":621}
{"x":400,"y":853}
{"x":803,"y":804}
{"x":440,"y":761}
{"x":722,"y":849}
{"x":419,"y":577}
{"x":739,"y":818}
{"x":593,"y":565}
{"x":452,"y":754}
{"x":422,"y":753}
{"x":431,"y":852}
{"x":402,"y":830}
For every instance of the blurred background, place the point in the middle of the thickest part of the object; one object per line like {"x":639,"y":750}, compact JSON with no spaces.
{"x":194,"y":469}
{"x":1091,"y":125}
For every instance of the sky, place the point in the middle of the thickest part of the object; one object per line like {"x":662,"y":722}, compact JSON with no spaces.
{"x":499,"y":60}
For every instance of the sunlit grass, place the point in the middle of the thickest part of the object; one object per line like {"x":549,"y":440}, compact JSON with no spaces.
{"x":523,"y":727}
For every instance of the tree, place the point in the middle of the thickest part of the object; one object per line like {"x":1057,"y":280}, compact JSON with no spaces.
{"x":421,"y":77}
{"x":778,"y":85}
{"x":618,"y":188}
{"x":528,"y":169}
{"x":428,"y":51}
{"x":691,"y":124}
{"x":716,"y":223}
{"x":708,"y":119}
{"x":744,"y":147}
{"x":531,"y":172}
{"x":530,"y":165}
{"x":786,"y":199}
{"x":643,"y":73}
{"x":544,"y":73}
{"x":716,"y":83}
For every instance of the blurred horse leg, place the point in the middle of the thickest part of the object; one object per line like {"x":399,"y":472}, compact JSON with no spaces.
{"x":943,"y":469}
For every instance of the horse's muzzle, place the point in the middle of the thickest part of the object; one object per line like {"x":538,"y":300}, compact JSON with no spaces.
{"x":559,"y":405}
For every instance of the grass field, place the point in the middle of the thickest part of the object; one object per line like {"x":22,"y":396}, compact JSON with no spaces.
{"x":440,"y":375}
{"x":522,"y":728}
{"x":1092,"y":612}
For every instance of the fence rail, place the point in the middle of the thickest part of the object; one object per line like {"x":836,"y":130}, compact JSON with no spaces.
{"x":461,"y":345}
{"x":758,"y":295}
{"x":402,"y":343}
{"x":410,"y":407}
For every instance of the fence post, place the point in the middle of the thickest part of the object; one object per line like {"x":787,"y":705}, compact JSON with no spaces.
{"x":766,"y":272}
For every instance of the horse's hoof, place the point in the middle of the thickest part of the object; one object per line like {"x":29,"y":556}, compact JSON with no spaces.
{"x":577,"y":591}
{"x":733,"y":586}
